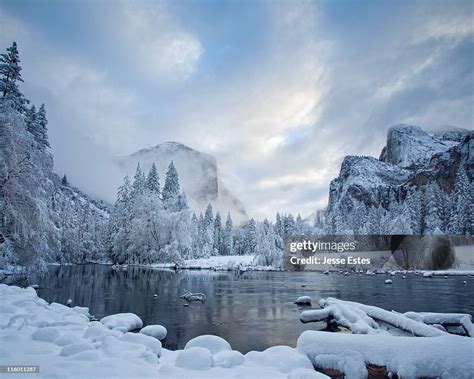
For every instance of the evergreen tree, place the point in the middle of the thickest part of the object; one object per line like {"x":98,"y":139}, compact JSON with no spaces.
{"x":218,"y":235}
{"x":279,"y":227}
{"x":461,"y":218}
{"x":414,"y":204}
{"x":10,"y":76}
{"x":41,"y":132}
{"x":250,"y":240}
{"x":269,"y":248}
{"x":139,"y":181}
{"x":431,"y":205}
{"x":64,"y":181}
{"x":229,"y":236}
{"x":171,"y":187}
{"x":153,"y":181}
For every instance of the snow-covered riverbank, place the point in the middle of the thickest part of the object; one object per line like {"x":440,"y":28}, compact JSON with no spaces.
{"x":63,"y":342}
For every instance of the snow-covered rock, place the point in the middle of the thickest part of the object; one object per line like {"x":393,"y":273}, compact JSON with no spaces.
{"x":150,"y":342}
{"x":194,"y":358}
{"x":228,"y":358}
{"x":75,"y":348}
{"x":303,"y":300}
{"x":48,"y":334}
{"x":212,"y":343}
{"x":127,"y":321}
{"x":385,"y":196}
{"x":284,"y":358}
{"x":409,"y":145}
{"x":157,"y":331}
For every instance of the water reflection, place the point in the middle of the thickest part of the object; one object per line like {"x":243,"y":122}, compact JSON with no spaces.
{"x":253,"y":310}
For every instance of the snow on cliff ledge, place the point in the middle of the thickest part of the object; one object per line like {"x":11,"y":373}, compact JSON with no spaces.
{"x":408,"y":145}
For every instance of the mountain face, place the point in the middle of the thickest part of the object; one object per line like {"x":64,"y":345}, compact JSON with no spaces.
{"x":421,"y":184}
{"x":41,"y":218}
{"x":198,"y":176}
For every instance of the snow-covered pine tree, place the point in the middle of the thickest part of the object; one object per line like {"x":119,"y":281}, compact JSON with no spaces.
{"x":413,"y":202}
{"x":460,"y":221}
{"x":250,"y":237}
{"x":218,"y":235}
{"x":279,"y":227}
{"x":229,"y":236}
{"x":41,"y":130}
{"x":120,"y":223}
{"x":289,"y":227}
{"x":64,"y":181}
{"x":153,"y":181}
{"x":171,"y":187}
{"x":10,"y":76}
{"x":139,"y":181}
{"x":268,"y":251}
{"x":432,"y":214}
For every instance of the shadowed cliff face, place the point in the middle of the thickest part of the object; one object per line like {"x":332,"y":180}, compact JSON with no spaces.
{"x":423,"y":252}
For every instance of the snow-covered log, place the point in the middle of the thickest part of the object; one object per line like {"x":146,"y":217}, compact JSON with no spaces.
{"x":408,"y":357}
{"x":366,"y":319}
{"x":188,"y":296}
{"x":446,"y":320}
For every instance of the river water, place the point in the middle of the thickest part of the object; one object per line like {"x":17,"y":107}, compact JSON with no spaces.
{"x":252,"y":310}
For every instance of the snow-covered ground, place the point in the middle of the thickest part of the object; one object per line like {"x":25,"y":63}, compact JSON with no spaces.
{"x":226,"y":262}
{"x":64,"y":343}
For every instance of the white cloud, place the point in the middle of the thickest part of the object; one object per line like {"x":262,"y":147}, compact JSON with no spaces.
{"x":158,"y":41}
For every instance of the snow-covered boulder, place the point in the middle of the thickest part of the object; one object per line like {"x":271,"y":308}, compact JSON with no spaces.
{"x":212,"y":343}
{"x":68,"y":338}
{"x":228,"y":358}
{"x":157,"y":331}
{"x":48,"y":334}
{"x":194,"y":358}
{"x":150,"y":342}
{"x":76,"y":348}
{"x":306,"y":373}
{"x":283,"y":358}
{"x":303,"y":300}
{"x":129,"y":321}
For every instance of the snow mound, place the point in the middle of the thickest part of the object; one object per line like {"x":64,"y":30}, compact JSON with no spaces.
{"x":76,"y":348}
{"x":129,"y":321}
{"x":150,"y":342}
{"x":303,"y":300}
{"x":212,"y":343}
{"x":306,"y":373}
{"x":157,"y":331}
{"x":194,"y":358}
{"x":283,"y":358}
{"x":68,"y":338}
{"x":228,"y":358}
{"x":48,"y":334}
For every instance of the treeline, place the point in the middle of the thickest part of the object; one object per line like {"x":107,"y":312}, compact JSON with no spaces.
{"x":150,"y":224}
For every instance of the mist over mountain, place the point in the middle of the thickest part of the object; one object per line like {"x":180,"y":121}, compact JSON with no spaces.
{"x":198,"y":173}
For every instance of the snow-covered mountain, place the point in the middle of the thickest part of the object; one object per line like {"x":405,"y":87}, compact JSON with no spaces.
{"x":198,"y":176}
{"x":422,"y":183}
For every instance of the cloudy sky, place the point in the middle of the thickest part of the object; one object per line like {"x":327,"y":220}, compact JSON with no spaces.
{"x":278,"y":91}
